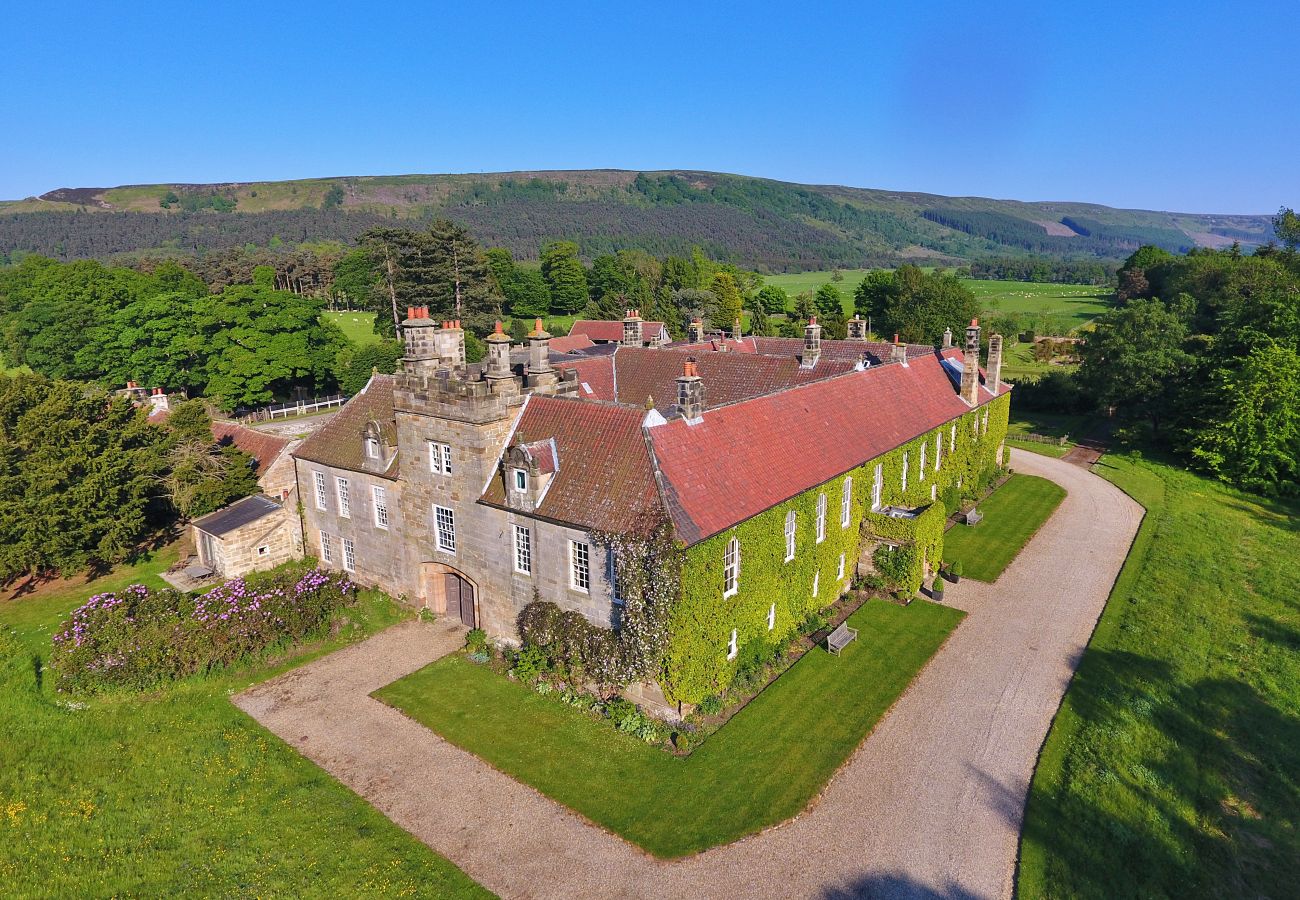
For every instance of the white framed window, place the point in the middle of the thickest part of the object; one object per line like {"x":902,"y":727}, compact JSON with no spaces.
{"x":839,"y":573}
{"x":921,"y":467}
{"x":771,"y":617}
{"x":372,"y":448}
{"x":327,"y":547}
{"x":789,"y":535}
{"x":985,"y":426}
{"x":904,"y":470}
{"x":938,"y":449}
{"x":439,"y":458}
{"x":345,"y":500}
{"x":444,"y":521}
{"x":821,"y":518}
{"x":934,"y":492}
{"x":611,"y":573}
{"x":846,"y":501}
{"x":732,"y":648}
{"x":975,"y":425}
{"x":952,"y":438}
{"x":878,"y":486}
{"x":523,"y":550}
{"x":263,"y":550}
{"x":579,"y":566}
{"x":817,"y":581}
{"x":519,"y":478}
{"x":349,"y":555}
{"x":731,"y":568}
{"x":381,"y":505}
{"x":319,"y":478}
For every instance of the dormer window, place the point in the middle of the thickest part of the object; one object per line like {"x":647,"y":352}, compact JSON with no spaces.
{"x":520,"y":480}
{"x":372,"y":448}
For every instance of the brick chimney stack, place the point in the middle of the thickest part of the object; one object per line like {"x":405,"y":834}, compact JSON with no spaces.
{"x":450,"y":340}
{"x":539,"y":357}
{"x":898,"y":351}
{"x":690,"y":393}
{"x":735,"y":330}
{"x":947,"y":339}
{"x":158,"y":400}
{"x":632,"y":328}
{"x":970,"y":373}
{"x":995,"y":363}
{"x":696,"y":332}
{"x":812,"y":344}
{"x":421,"y":356}
{"x":857,"y":328}
{"x":498,"y":354}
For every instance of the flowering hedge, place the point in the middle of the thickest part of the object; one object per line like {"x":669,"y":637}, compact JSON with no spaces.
{"x":137,"y":637}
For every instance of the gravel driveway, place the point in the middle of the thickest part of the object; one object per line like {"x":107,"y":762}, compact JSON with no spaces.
{"x":929,"y":806}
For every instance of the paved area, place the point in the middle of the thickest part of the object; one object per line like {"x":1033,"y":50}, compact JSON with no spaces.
{"x":929,"y":806}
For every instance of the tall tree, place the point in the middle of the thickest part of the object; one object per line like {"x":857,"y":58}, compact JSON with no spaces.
{"x":916,"y":305}
{"x":727,"y":301}
{"x":461,"y":285}
{"x":830,"y":312}
{"x":565,"y":276}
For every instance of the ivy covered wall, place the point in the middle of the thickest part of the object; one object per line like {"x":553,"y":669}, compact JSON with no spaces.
{"x":701,"y":622}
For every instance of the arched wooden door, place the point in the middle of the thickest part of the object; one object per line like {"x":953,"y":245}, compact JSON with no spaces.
{"x":459,"y":594}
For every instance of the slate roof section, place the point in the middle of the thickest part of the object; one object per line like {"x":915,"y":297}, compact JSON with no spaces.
{"x":237,"y":515}
{"x":338,"y":443}
{"x":612,"y":331}
{"x":605,"y":479}
{"x":264,"y":448}
{"x":748,"y":457}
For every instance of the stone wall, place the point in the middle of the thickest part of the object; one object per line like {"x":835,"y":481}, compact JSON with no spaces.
{"x":237,"y":551}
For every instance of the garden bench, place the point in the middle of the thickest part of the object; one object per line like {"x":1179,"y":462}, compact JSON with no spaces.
{"x":838,"y":639}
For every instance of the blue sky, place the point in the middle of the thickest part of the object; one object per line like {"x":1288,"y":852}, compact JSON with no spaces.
{"x":1186,"y":106}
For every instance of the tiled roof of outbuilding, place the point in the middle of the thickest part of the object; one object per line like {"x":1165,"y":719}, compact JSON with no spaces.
{"x":604,"y":478}
{"x":339,"y":442}
{"x":612,"y":330}
{"x":748,"y":457}
{"x":263,"y":447}
{"x":569,"y":343}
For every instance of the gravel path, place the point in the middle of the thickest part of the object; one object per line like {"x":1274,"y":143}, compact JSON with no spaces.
{"x":929,"y":806}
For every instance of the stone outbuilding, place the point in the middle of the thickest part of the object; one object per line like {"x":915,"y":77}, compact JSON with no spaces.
{"x":254,"y":534}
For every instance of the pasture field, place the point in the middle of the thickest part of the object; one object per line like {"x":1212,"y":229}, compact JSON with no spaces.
{"x":1171,"y":768}
{"x":357,"y":327}
{"x":177,"y":791}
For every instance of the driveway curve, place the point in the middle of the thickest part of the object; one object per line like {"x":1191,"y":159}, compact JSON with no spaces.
{"x":929,"y":806}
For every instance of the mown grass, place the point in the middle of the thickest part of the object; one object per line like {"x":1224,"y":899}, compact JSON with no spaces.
{"x":178,"y":792}
{"x":761,"y":768}
{"x":1173,"y":766}
{"x":1012,"y":514}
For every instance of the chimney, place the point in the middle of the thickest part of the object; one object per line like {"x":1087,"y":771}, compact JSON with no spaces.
{"x":498,"y":353}
{"x":696,"y":332}
{"x":995,"y":363}
{"x":898,"y":352}
{"x":539,"y":357}
{"x":857,"y":329}
{"x":158,"y":400}
{"x":735,"y":331}
{"x":812,"y":344}
{"x":690,"y":393}
{"x":632,"y":328}
{"x":947,"y":339}
{"x":421,"y":356}
{"x":450,"y":340}
{"x":970,"y":373}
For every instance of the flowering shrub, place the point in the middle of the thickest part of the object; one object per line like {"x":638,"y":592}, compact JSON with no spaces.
{"x":137,"y":637}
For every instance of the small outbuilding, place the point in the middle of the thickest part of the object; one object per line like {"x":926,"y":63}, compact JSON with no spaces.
{"x":252,"y":534}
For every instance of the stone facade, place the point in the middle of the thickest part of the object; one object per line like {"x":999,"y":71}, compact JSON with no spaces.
{"x":263,"y":543}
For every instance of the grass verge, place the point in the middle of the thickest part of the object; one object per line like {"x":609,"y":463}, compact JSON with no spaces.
{"x":1173,"y":766}
{"x":761,"y":768}
{"x":1012,"y":514}
{"x":178,"y":791}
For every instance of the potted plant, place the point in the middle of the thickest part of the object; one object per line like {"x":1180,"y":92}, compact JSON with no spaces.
{"x":955,"y":571}
{"x":936,"y":589}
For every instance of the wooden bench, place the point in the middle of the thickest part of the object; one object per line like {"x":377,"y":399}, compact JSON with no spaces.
{"x":838,"y":639}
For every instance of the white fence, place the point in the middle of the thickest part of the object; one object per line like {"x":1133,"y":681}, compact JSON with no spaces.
{"x":295,"y":408}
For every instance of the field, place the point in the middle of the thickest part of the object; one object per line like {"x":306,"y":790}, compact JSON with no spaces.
{"x":357,"y":327}
{"x":1065,"y":306}
{"x":177,"y":791}
{"x":761,"y":768}
{"x":1012,"y":514}
{"x":1172,"y":767}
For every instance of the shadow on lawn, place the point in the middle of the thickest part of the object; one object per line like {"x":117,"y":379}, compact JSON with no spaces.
{"x":1210,"y":806}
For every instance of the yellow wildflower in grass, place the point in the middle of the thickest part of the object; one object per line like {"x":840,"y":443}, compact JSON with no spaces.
{"x":15,"y":809}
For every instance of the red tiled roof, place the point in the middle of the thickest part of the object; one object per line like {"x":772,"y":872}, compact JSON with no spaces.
{"x":878,"y":351}
{"x":612,"y":331}
{"x":641,"y":373}
{"x":595,"y":376}
{"x":605,"y":479}
{"x":571,"y":342}
{"x":340,"y":441}
{"x":744,"y":345}
{"x":748,"y":457}
{"x":264,"y":448}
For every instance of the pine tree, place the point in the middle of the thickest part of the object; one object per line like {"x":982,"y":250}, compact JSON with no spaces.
{"x":565,"y":276}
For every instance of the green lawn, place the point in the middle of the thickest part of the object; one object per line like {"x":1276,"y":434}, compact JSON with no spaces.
{"x":357,"y":327}
{"x":761,"y":768}
{"x":1011,"y":516}
{"x":1173,"y":766}
{"x":178,"y":791}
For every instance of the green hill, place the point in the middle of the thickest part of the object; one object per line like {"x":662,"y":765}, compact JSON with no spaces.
{"x":770,"y":225}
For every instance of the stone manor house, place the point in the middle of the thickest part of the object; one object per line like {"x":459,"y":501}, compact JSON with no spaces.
{"x":473,"y":489}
